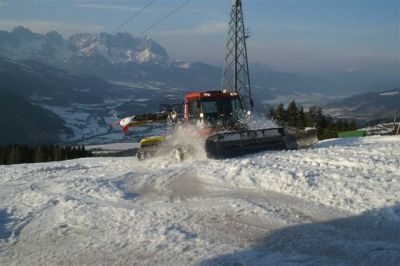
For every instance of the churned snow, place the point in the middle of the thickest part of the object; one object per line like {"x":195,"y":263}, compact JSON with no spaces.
{"x":337,"y":203}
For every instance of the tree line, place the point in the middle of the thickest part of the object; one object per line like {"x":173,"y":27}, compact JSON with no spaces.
{"x":296,"y":117}
{"x":16,"y":153}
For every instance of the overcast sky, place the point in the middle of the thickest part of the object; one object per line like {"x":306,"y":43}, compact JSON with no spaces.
{"x":291,"y":35}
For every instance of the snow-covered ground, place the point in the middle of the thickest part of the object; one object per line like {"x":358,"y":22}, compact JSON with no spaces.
{"x":87,"y":122}
{"x":335,"y":204}
{"x":381,"y":129}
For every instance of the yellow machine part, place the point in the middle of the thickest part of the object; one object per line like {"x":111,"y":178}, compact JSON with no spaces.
{"x":152,"y":141}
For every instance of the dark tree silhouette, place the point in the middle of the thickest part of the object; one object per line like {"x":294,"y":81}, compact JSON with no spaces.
{"x":292,"y":116}
{"x":14,"y":154}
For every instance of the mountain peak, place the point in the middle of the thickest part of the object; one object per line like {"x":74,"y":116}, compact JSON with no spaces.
{"x":119,"y":48}
{"x":21,"y":30}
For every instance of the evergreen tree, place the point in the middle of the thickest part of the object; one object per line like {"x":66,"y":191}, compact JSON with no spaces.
{"x":4,"y":155}
{"x":57,"y":154}
{"x":326,"y":126}
{"x":281,"y":117}
{"x":39,"y":154}
{"x":292,"y":114}
{"x":311,"y":117}
{"x":353,"y":125}
{"x":302,"y":123}
{"x":14,"y":156}
{"x":26,"y":156}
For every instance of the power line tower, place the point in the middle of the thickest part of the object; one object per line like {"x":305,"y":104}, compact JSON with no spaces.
{"x":235,"y":76}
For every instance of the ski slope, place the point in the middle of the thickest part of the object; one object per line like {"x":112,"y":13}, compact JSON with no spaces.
{"x":337,"y":203}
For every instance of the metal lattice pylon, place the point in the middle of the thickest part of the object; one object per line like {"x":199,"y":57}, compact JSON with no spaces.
{"x":235,"y":76}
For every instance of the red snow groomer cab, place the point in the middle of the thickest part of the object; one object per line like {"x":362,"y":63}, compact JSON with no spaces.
{"x":218,"y":110}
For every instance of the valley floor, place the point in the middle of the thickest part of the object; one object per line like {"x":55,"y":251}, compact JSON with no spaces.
{"x":337,"y":203}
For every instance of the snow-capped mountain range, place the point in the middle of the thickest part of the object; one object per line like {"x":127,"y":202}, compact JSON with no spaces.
{"x":123,"y":57}
{"x":52,"y":48}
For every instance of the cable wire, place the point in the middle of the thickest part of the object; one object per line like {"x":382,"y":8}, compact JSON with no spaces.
{"x":133,"y":16}
{"x":164,"y":17}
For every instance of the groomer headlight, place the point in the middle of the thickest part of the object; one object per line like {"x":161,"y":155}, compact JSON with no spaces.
{"x":201,"y":115}
{"x":248,"y":112}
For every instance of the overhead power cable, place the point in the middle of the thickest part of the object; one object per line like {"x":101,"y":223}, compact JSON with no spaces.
{"x":165,"y":17}
{"x":133,"y":16}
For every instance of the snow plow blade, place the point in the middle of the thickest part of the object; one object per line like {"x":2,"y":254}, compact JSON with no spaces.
{"x":149,"y":147}
{"x":239,"y":143}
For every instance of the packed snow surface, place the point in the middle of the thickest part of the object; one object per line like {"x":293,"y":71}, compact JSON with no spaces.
{"x":337,"y":203}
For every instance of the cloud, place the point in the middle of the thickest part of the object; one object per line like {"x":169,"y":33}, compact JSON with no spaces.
{"x":203,"y":29}
{"x":43,"y":26}
{"x":108,"y":7}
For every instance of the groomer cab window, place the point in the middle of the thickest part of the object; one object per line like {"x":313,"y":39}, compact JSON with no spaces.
{"x":194,"y":109}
